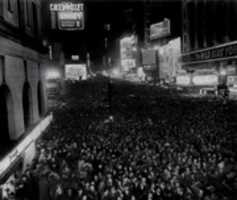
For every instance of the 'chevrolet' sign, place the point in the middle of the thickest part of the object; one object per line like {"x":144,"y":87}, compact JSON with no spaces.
{"x":66,"y":7}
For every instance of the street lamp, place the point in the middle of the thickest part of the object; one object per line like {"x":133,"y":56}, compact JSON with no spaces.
{"x":107,"y":28}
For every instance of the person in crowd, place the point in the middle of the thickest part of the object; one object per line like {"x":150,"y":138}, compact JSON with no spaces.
{"x":157,"y":147}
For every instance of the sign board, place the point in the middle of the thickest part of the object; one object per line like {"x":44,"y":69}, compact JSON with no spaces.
{"x":160,"y":30}
{"x":66,"y":6}
{"x":76,"y":72}
{"x":183,"y":80}
{"x":149,"y":57}
{"x":128,"y":52}
{"x":200,"y":80}
{"x":67,"y":16}
{"x":212,"y":53}
{"x":232,"y":80}
{"x":75,"y":57}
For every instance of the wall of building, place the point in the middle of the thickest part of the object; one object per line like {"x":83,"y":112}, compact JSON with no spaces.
{"x":207,"y":23}
{"x":21,"y":63}
{"x":209,"y":36}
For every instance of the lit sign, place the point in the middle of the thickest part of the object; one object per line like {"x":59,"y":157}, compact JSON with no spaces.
{"x":183,"y":80}
{"x":149,"y":57}
{"x":67,"y":16}
{"x":232,"y":80}
{"x":75,"y":57}
{"x":159,"y":30}
{"x":76,"y":72}
{"x":205,"y":79}
{"x":212,"y":53}
{"x":66,"y":7}
{"x":128,"y":52}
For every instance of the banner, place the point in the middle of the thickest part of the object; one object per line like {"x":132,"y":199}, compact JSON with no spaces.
{"x":159,"y":30}
{"x":228,"y":50}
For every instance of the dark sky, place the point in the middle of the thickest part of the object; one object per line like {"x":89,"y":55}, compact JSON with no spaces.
{"x":100,"y":12}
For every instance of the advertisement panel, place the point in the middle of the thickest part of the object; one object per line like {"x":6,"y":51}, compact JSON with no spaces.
{"x":67,"y":16}
{"x":211,"y":79}
{"x":217,"y":52}
{"x":232,"y":80}
{"x":76,"y":72}
{"x":169,"y":58}
{"x":159,"y":30}
{"x":183,"y":80}
{"x":149,"y":57}
{"x":128,"y":52}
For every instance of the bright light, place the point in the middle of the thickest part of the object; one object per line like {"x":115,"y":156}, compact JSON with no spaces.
{"x":156,"y":47}
{"x":223,"y":72}
{"x":70,"y":15}
{"x":209,"y":79}
{"x":52,"y":74}
{"x":76,"y":71}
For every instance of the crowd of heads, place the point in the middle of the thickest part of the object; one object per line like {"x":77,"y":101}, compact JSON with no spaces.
{"x":154,"y":145}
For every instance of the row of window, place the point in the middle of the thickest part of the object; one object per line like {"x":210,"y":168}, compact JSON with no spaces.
{"x":27,"y":14}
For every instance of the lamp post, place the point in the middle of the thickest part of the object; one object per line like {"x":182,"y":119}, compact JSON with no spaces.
{"x":109,"y":84}
{"x":107,"y":28}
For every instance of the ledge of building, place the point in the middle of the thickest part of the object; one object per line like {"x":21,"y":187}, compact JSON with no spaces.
{"x":15,"y":152}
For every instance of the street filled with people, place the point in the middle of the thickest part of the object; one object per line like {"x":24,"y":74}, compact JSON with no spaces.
{"x":122,"y":141}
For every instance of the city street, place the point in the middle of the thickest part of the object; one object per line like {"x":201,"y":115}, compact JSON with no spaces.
{"x":153,"y":145}
{"x":118,"y":99}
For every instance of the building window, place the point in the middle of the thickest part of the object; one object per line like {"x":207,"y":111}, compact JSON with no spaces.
{"x":10,"y":5}
{"x":35,"y":18}
{"x":27,"y":13}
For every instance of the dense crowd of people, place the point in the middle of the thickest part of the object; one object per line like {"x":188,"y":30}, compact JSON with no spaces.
{"x":150,"y":145}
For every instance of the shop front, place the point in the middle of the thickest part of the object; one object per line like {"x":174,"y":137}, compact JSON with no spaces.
{"x":220,"y":60}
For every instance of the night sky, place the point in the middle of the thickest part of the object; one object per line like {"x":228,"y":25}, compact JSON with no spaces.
{"x":122,"y":15}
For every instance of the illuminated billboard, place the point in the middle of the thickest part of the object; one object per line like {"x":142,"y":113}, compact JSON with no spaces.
{"x":67,"y":16}
{"x":128,"y":52}
{"x":76,"y":72}
{"x":183,"y":80}
{"x":159,"y":30}
{"x":209,"y":79}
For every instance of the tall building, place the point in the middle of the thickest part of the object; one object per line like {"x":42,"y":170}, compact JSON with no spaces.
{"x":23,"y":59}
{"x":209,"y":35}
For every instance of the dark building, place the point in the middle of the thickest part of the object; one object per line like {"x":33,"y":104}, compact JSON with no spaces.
{"x":209,"y":35}
{"x":22,"y":62}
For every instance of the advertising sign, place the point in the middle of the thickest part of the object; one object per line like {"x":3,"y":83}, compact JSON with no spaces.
{"x":232,"y":80}
{"x":210,"y":79}
{"x":228,"y":50}
{"x":128,"y":52}
{"x":66,"y":6}
{"x":76,"y":72}
{"x":67,"y":16}
{"x":183,"y":80}
{"x":169,"y":58}
{"x":149,"y":57}
{"x":159,"y":30}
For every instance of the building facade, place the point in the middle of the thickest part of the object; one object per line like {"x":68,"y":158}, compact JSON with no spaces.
{"x":22,"y":62}
{"x":209,"y":36}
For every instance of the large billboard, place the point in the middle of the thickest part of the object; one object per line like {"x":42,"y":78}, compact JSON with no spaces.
{"x":67,"y":16}
{"x":149,"y":57}
{"x":76,"y":72}
{"x":209,"y":79}
{"x":183,"y":79}
{"x":159,"y":30}
{"x":128,"y":52}
{"x":169,"y":58}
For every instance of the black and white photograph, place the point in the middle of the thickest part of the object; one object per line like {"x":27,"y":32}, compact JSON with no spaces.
{"x":118,"y":99}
